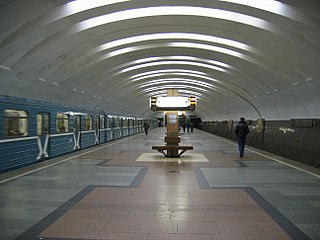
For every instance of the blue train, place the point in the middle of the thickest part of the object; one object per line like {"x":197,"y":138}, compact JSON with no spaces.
{"x":33,"y":131}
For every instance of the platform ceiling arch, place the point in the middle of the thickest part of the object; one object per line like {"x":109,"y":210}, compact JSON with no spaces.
{"x":258,"y":59}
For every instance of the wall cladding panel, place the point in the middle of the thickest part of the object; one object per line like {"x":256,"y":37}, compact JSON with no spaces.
{"x":297,"y":139}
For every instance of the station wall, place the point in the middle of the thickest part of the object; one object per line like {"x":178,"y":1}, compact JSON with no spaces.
{"x":296,"y":139}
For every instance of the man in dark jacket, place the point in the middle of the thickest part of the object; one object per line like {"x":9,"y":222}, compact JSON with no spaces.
{"x":146,"y":127}
{"x":241,"y":131}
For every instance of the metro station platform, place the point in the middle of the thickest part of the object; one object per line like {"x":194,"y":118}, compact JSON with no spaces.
{"x":125,"y":190}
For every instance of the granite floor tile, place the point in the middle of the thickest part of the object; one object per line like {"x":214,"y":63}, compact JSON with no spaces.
{"x":179,"y":237}
{"x":132,"y":236}
{"x":240,"y":236}
{"x":148,"y":215}
{"x":220,"y":215}
{"x":256,"y":229}
{"x":149,"y":226}
{"x":106,"y":194}
{"x":198,"y":227}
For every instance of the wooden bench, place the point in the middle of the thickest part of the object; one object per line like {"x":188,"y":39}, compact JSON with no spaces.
{"x":162,"y":148}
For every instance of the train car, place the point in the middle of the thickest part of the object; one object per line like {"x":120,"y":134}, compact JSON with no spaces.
{"x":33,"y":131}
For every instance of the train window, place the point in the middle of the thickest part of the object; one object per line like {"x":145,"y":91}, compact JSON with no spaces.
{"x":42,"y":123}
{"x":62,"y":123}
{"x":39,"y":124}
{"x":125,"y":122}
{"x":97,"y":123}
{"x":88,"y":122}
{"x":76,"y":123}
{"x":108,"y":119}
{"x":45,"y":127}
{"x":115,"y":122}
{"x":15,"y":123}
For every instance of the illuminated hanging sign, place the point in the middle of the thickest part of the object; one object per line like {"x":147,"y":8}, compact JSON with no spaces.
{"x":172,"y":103}
{"x":193,"y":103}
{"x":169,"y":102}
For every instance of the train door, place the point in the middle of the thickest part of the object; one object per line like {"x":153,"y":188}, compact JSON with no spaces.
{"x":103,"y":125}
{"x":76,"y":131}
{"x":43,"y":132}
{"x":121,"y":126}
{"x":97,"y":129}
{"x":110,"y":124}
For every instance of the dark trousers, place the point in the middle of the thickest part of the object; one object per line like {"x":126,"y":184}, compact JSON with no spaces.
{"x":241,"y":144}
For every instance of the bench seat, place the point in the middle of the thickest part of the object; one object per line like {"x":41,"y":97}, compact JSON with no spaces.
{"x":162,"y":148}
{"x":172,"y":147}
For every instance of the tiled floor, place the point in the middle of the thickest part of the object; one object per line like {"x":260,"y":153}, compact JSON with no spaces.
{"x":124,"y":190}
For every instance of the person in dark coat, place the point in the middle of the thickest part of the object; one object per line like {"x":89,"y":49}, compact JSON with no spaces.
{"x":191,"y":126}
{"x":241,"y":131}
{"x":184,"y":122}
{"x":146,"y":127}
{"x":188,"y":124}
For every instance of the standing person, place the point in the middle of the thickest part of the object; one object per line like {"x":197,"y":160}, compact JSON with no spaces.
{"x":188,"y":124}
{"x":191,"y":125}
{"x":241,"y":131}
{"x":146,"y":127}
{"x":184,"y":123}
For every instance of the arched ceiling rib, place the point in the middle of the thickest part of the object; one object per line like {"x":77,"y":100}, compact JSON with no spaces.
{"x":257,"y":59}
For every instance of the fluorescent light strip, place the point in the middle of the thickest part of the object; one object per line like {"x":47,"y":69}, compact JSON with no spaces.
{"x":173,"y":86}
{"x":167,"y":71}
{"x":173,"y":36}
{"x":75,"y":7}
{"x":271,"y":6}
{"x":168,"y":75}
{"x":177,"y":57}
{"x":173,"y":63}
{"x":4,"y":67}
{"x":160,"y":93}
{"x":206,"y":47}
{"x":173,"y":10}
{"x":176,"y":80}
{"x":190,"y":93}
{"x":183,"y":74}
{"x":201,"y":46}
{"x":84,"y":5}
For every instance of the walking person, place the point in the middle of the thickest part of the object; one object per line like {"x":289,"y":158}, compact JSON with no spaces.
{"x":146,"y":127}
{"x":241,"y":131}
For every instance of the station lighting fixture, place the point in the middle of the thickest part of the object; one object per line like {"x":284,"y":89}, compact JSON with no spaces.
{"x":173,"y":103}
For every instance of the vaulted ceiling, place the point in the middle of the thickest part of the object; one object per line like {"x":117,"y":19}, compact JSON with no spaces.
{"x":258,"y":59}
